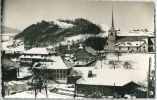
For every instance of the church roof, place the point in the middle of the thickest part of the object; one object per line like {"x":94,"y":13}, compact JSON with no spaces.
{"x":134,"y":38}
{"x":112,"y":29}
{"x":130,"y":38}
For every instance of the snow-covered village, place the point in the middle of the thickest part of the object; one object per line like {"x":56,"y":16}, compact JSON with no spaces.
{"x":82,"y":56}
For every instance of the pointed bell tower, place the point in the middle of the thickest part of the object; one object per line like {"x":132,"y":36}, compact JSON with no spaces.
{"x":112,"y":34}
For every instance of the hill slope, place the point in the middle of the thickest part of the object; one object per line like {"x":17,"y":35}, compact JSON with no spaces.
{"x":52,"y":32}
{"x":6,"y":29}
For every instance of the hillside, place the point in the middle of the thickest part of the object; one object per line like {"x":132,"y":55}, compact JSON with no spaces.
{"x":52,"y":32}
{"x":6,"y":29}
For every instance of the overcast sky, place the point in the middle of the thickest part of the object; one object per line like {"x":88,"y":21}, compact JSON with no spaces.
{"x":20,"y":14}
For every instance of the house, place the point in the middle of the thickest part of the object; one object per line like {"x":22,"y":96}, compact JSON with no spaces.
{"x":128,"y":43}
{"x":57,"y":68}
{"x":9,"y":69}
{"x":115,"y":83}
{"x":85,"y":55}
{"x":33,"y":55}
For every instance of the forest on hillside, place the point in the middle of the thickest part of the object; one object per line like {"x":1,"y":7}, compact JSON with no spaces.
{"x":49,"y":32}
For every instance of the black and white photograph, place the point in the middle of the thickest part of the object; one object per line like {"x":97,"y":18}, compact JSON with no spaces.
{"x":78,"y":49}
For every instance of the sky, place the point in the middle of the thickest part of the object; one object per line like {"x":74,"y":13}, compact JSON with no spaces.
{"x":20,"y":14}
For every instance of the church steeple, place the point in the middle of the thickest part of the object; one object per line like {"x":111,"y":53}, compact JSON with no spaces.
{"x":112,"y":17}
{"x":112,"y":34}
{"x":112,"y":23}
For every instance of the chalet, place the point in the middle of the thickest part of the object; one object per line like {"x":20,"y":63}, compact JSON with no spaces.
{"x":35,"y":55}
{"x":57,"y":68}
{"x":9,"y":69}
{"x":115,"y":83}
{"x":85,"y":55}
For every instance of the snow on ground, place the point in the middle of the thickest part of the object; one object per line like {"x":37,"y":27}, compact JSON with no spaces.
{"x":11,"y":50}
{"x":138,"y":61}
{"x":63,"y":24}
{"x":105,"y":28}
{"x":30,"y":94}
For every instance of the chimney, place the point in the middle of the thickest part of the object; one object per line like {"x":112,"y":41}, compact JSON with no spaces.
{"x":90,"y":73}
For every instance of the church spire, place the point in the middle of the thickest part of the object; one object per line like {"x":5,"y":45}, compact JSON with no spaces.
{"x":112,"y":17}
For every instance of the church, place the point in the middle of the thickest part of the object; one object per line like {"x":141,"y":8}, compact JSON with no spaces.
{"x":128,"y":43}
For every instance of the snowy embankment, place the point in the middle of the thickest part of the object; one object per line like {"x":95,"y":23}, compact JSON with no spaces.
{"x":63,"y":24}
{"x":63,"y":92}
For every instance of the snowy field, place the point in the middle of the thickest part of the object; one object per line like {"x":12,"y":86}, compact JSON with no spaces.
{"x":138,"y":61}
{"x":11,"y":50}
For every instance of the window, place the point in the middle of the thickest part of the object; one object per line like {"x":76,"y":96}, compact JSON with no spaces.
{"x":57,"y":71}
{"x":64,"y":76}
{"x":54,"y":76}
{"x":64,"y":71}
{"x":137,"y":48}
{"x":60,"y":71}
{"x":128,"y":48}
{"x":54,"y":71}
{"x":143,"y":46}
{"x":60,"y":76}
{"x":111,"y":34}
{"x":57,"y":76}
{"x":119,"y":48}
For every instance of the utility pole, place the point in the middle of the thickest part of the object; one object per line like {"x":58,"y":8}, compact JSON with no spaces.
{"x":114,"y":91}
{"x":148,"y":87}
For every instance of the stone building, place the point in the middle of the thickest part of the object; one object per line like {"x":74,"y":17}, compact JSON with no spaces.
{"x":128,"y":43}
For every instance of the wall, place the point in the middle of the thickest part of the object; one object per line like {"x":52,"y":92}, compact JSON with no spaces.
{"x":111,"y":45}
{"x":129,"y":88}
{"x":59,"y":75}
{"x":125,"y":48}
{"x":144,"y":49}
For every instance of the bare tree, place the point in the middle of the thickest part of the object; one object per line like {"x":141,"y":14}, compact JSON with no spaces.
{"x":127,"y":65}
{"x":76,"y":75}
{"x":113,"y":64}
{"x":117,"y":53}
{"x":40,"y":79}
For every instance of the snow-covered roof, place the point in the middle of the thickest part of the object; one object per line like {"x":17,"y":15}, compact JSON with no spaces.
{"x":36,"y":51}
{"x":39,"y":51}
{"x":35,"y":57}
{"x":130,"y":44}
{"x":109,"y":77}
{"x":56,"y":64}
{"x":90,"y":50}
{"x":50,"y":47}
{"x":80,"y":46}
